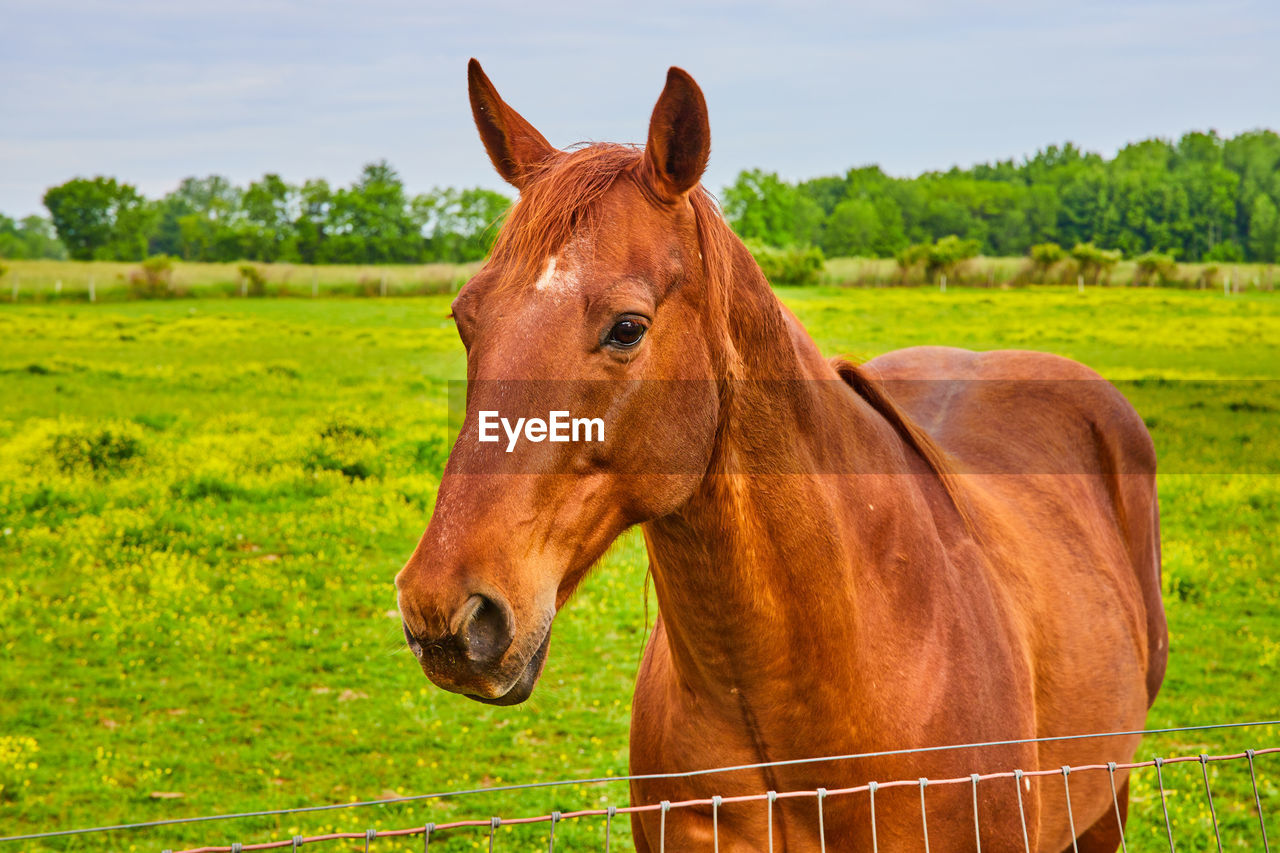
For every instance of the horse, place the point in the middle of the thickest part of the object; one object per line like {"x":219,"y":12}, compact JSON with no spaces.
{"x":936,"y":546}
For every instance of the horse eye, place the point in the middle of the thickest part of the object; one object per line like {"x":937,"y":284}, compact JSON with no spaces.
{"x":626,"y":333}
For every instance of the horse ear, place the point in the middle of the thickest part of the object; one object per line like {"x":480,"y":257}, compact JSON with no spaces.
{"x":515,"y":146}
{"x":679,"y":136}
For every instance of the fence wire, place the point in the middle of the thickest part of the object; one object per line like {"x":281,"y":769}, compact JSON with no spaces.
{"x":430,"y":831}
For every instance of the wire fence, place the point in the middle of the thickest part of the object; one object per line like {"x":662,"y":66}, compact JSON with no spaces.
{"x":429,"y":832}
{"x":820,"y":795}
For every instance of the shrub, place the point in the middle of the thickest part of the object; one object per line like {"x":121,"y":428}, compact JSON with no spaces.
{"x":206,"y":486}
{"x":1210,"y":277}
{"x":255,"y":281}
{"x":793,"y":266}
{"x":1094,"y":263}
{"x":947,"y":254}
{"x":45,"y":497}
{"x":104,"y":450}
{"x":343,"y":426}
{"x":1154,"y":268}
{"x":153,"y":279}
{"x":909,"y":259}
{"x":345,"y":444}
{"x":1044,"y":257}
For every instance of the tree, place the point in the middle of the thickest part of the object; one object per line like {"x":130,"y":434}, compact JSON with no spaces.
{"x":1081,"y":202}
{"x":270,"y":207}
{"x":460,"y":225}
{"x":197,"y":221}
{"x":853,"y":229}
{"x":943,"y":215}
{"x":826,"y":192}
{"x":1264,"y":231}
{"x":191,"y":217}
{"x":372,"y":222}
{"x":892,"y":235}
{"x":314,"y":201}
{"x":100,"y":218}
{"x":1228,"y":251}
{"x":761,"y":206}
{"x":40,"y":239}
{"x":33,"y":237}
{"x":10,"y":239}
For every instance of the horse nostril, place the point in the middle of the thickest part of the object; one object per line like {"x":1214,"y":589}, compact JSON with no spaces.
{"x":415,"y":645}
{"x":485,"y":629}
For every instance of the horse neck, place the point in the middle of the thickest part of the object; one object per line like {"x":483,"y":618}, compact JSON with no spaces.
{"x":775,"y":541}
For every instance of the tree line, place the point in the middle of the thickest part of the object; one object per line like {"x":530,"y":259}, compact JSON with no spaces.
{"x":1202,"y":198}
{"x":375,"y":220}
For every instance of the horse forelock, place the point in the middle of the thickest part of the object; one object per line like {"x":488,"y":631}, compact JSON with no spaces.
{"x":561,"y":199}
{"x":561,"y":203}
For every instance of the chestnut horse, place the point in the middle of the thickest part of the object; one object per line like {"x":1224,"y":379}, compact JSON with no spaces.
{"x":935,"y":547}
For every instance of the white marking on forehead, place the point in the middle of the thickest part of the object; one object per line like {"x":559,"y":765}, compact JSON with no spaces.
{"x":555,"y":280}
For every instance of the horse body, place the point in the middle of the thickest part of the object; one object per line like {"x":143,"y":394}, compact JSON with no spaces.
{"x":912,"y":632}
{"x":936,"y":547}
{"x":858,"y":612}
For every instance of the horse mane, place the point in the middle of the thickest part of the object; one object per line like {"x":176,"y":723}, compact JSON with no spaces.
{"x":935,"y":457}
{"x":562,"y":197}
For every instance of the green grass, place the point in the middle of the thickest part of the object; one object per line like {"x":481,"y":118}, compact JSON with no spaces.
{"x":68,"y":281}
{"x":204,"y":503}
{"x":1007,"y":272}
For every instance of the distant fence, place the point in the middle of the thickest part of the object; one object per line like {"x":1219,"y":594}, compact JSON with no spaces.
{"x":41,"y":281}
{"x":431,"y":831}
{"x":29,"y":282}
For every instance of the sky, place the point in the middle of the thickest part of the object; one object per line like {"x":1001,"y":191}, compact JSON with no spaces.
{"x":151,"y":92}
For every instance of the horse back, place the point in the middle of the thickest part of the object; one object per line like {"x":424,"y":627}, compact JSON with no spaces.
{"x":1043,"y":430}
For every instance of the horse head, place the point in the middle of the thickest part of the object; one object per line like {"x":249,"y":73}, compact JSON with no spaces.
{"x":595,"y":304}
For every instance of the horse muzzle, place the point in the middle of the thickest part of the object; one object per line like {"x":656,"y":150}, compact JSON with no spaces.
{"x":478,"y":656}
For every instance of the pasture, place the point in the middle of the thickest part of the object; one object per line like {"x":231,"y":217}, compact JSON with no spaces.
{"x":42,"y":280}
{"x":204,"y":503}
{"x":113,"y":281}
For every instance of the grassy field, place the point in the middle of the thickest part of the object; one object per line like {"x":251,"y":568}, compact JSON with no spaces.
{"x":205,"y":501}
{"x":69,"y":281}
{"x":44,"y":280}
{"x":1007,"y":272}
